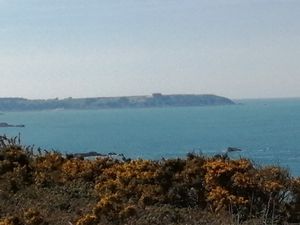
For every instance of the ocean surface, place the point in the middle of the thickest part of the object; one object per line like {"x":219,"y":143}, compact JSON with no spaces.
{"x":268,"y":131}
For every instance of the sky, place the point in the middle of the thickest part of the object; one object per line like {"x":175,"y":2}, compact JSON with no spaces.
{"x":89,"y":48}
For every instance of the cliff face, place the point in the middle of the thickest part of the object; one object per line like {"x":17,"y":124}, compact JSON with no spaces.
{"x":156,"y":100}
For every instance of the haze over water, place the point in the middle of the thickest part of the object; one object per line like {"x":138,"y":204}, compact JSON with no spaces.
{"x":268,"y":131}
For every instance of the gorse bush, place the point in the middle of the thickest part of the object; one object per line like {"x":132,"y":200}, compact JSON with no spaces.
{"x":133,"y":189}
{"x":30,"y":217}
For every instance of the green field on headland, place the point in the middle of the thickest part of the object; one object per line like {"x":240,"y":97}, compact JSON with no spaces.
{"x":50,"y":188}
{"x":155,"y":100}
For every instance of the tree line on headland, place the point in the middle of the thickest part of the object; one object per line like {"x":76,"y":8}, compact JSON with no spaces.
{"x":155,"y":100}
{"x":39,"y":188}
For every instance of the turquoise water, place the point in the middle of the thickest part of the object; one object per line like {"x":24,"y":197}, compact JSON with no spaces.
{"x":268,"y":131}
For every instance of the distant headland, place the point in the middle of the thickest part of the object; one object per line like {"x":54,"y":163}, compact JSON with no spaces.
{"x":154,"y":100}
{"x":3,"y":124}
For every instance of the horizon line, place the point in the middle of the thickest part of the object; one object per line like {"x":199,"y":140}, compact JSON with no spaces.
{"x":149,"y":95}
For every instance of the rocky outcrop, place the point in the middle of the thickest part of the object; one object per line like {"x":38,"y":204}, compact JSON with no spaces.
{"x":3,"y":124}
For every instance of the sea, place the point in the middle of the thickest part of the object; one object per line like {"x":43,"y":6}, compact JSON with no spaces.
{"x":266,"y":130}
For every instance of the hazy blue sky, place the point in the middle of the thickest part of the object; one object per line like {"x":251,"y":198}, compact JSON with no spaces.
{"x":79,"y":48}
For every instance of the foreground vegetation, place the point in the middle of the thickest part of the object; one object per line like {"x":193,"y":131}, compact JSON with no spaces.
{"x":49,"y":188}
